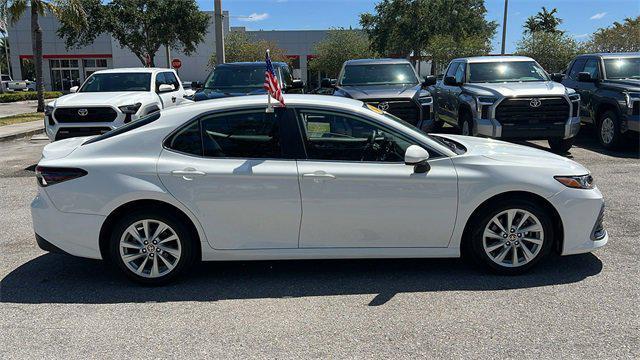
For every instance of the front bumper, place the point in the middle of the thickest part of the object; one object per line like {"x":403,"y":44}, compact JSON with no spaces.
{"x":580,"y":211}
{"x":492,"y":128}
{"x":72,"y":233}
{"x":631,"y":123}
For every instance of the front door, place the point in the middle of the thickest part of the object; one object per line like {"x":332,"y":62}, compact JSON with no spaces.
{"x":168,"y":98}
{"x":357,"y":192}
{"x":229,"y":169}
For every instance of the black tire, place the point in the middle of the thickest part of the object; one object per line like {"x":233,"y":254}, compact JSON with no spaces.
{"x":609,"y":119}
{"x":186,"y":248}
{"x":436,"y":126}
{"x":474,"y":243}
{"x":465,"y":118}
{"x":561,"y":146}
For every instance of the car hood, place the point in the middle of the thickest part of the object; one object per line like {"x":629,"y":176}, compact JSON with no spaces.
{"x":517,"y":154}
{"x":623,"y":84}
{"x":541,"y":88}
{"x":103,"y":98}
{"x":378,"y":91}
{"x":219,"y":93}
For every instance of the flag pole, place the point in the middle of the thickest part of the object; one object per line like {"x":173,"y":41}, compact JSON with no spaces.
{"x":269,"y":105}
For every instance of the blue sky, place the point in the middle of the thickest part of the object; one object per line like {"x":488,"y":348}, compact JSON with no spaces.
{"x":581,"y":17}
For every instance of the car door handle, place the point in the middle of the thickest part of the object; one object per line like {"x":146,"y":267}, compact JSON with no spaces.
{"x":188,"y":173}
{"x":318,"y":176}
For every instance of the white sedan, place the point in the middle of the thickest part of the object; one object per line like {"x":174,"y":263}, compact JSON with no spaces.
{"x":323,"y":178}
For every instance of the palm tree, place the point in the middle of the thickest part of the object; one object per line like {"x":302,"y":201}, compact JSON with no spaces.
{"x":544,"y":20}
{"x":12,"y":10}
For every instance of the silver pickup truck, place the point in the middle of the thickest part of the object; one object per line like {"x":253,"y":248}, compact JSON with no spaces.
{"x":507,"y":97}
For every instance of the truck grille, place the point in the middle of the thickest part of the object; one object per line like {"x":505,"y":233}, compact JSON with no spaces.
{"x":636,"y":107}
{"x":69,"y":132}
{"x":519,"y":111}
{"x":407,"y":110}
{"x":93,"y":114}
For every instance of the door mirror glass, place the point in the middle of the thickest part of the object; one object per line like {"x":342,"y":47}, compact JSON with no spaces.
{"x":417,"y":156}
{"x":450,"y":81}
{"x":297,"y":84}
{"x":165,"y":88}
{"x":327,"y":83}
{"x":428,"y":81}
{"x":73,"y":89}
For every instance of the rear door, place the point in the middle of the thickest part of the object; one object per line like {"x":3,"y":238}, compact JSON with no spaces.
{"x":232,"y":170}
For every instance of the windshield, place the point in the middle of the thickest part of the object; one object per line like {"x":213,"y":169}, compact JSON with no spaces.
{"x":117,"y":82}
{"x":236,"y":77}
{"x":378,"y":74}
{"x":514,"y":71}
{"x":625,"y":68}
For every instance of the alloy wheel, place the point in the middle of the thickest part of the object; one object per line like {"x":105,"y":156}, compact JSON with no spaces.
{"x":513,"y":238}
{"x":607,"y":130}
{"x":150,"y":248}
{"x":465,"y":128}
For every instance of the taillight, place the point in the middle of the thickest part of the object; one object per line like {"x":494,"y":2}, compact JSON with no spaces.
{"x":48,"y":176}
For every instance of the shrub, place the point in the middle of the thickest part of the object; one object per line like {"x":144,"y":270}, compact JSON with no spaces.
{"x":27,"y":95}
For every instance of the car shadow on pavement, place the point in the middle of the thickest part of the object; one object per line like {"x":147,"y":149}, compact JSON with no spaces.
{"x":52,"y":278}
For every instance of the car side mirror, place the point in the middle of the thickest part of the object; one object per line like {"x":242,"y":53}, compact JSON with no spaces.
{"x":196,"y":85}
{"x":450,"y":81}
{"x":297,"y":84}
{"x":165,"y":88}
{"x":73,"y":89}
{"x":417,"y":157}
{"x":557,"y":77}
{"x":327,"y":83}
{"x":585,"y":77}
{"x":428,"y":81}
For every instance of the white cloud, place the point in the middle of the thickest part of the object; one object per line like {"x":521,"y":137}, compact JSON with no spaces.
{"x":580,"y":36}
{"x":255,"y":17}
{"x":598,"y":16}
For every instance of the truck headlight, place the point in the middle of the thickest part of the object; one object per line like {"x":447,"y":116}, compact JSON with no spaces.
{"x":48,"y":110}
{"x":574,"y":97}
{"x":630,"y":97}
{"x":482,"y":105}
{"x":425,"y":98}
{"x":130,"y":109}
{"x":576,"y":182}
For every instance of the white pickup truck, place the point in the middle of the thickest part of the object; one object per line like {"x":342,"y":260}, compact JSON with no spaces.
{"x":111,"y":98}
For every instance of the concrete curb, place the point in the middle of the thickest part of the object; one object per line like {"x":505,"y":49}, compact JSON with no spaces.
{"x":18,"y":131}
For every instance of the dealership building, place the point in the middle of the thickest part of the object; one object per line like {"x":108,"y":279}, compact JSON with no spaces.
{"x":64,"y":68}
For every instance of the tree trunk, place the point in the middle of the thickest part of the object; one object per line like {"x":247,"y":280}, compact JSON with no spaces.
{"x":36,"y":43}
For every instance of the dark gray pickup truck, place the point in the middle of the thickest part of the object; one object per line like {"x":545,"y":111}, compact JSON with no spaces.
{"x":506,"y":97}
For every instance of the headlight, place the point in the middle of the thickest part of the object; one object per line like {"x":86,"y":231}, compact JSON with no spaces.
{"x":630,"y":97}
{"x":576,"y":182}
{"x":48,"y":110}
{"x":130,"y":109}
{"x":484,"y":100}
{"x":425,"y":98}
{"x":574,"y":97}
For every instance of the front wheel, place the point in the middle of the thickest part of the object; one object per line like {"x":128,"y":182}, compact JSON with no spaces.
{"x":150,"y":248}
{"x":561,"y":146}
{"x":466,"y":124}
{"x":512,"y":237}
{"x":609,"y":130}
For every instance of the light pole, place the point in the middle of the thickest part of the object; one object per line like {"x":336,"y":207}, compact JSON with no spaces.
{"x":217,"y":25}
{"x":504,"y":25}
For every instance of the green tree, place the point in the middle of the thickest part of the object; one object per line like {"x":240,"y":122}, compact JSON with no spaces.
{"x":403,"y":27}
{"x":69,"y":10}
{"x":142,"y":26}
{"x":544,"y":20}
{"x":444,"y":48}
{"x":353,"y":44}
{"x":4,"y":50}
{"x":238,"y":46}
{"x":553,"y":50}
{"x":620,"y":37}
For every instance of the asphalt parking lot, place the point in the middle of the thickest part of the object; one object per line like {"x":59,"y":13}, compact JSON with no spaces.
{"x":584,"y":306}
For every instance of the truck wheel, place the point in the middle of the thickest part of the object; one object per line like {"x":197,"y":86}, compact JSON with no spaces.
{"x":466,"y":124}
{"x":609,"y":130}
{"x":561,"y":146}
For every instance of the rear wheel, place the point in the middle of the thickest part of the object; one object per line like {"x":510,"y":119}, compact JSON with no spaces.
{"x":561,"y":146}
{"x":150,"y":248}
{"x":609,"y":130}
{"x":512,"y":237}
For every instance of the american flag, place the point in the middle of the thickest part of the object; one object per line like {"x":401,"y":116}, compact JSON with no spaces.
{"x":271,"y":81}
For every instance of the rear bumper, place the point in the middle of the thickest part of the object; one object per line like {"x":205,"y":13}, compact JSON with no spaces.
{"x":71,"y":233}
{"x":493,"y":128}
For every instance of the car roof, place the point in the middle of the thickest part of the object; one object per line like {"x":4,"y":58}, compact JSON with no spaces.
{"x":376,"y":61}
{"x":613,"y":55}
{"x":132,"y":70}
{"x":500,"y":58}
{"x":251,"y":63}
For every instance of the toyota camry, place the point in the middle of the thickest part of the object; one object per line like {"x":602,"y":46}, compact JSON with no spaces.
{"x":322,"y":178}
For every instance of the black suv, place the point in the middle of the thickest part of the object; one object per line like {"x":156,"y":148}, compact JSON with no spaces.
{"x":609,"y":86}
{"x":391,"y":85}
{"x":245,"y":78}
